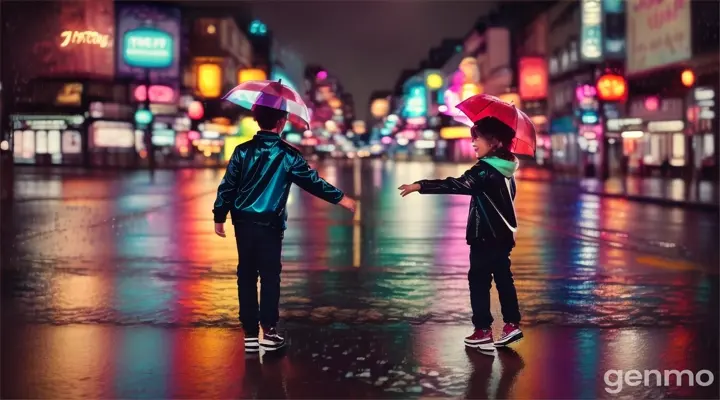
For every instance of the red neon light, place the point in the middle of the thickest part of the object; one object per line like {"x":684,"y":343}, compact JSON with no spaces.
{"x":158,"y":94}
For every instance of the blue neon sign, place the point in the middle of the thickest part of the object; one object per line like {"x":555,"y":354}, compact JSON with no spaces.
{"x":148,"y":48}
{"x":416,"y":102}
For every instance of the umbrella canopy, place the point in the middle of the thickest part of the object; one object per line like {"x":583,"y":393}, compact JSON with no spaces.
{"x":482,"y":105}
{"x":270,"y":94}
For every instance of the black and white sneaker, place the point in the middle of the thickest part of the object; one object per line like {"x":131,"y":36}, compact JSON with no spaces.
{"x":271,"y":341}
{"x":252,"y":345}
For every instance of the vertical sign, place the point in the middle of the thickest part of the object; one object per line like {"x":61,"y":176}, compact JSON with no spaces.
{"x":591,"y":35}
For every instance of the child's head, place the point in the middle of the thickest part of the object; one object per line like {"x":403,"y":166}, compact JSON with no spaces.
{"x":492,"y":138}
{"x":269,"y":118}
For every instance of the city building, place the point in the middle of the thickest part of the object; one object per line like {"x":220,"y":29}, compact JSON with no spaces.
{"x":219,"y":56}
{"x":672,"y":73}
{"x":63,"y":105}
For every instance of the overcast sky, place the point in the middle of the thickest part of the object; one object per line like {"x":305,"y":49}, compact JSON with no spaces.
{"x":366,"y":44}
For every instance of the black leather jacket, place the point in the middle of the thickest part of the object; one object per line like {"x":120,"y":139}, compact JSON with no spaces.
{"x":257,"y":182}
{"x":491,"y":185}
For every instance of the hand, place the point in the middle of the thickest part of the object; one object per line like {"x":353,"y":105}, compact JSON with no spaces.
{"x":348,"y":203}
{"x":220,"y":229}
{"x":407,"y":189}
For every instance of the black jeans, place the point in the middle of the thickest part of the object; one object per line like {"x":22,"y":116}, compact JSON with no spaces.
{"x":259,"y":249}
{"x":488,"y":262}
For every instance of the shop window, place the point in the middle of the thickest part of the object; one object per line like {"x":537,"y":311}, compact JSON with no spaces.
{"x":41,"y":142}
{"x":28,"y":144}
{"x":71,"y":143}
{"x":678,"y":145}
{"x":17,"y":144}
{"x":54,"y":146}
{"x":708,"y":145}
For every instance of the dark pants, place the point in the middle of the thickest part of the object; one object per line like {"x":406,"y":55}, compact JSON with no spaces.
{"x":488,"y":263}
{"x":259,"y":248}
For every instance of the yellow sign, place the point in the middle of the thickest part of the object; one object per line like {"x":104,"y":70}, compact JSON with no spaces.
{"x":469,"y":90}
{"x":248,"y":126}
{"x":455,"y":132}
{"x":70,"y":94}
{"x":84,"y":37}
{"x":380,"y":108}
{"x":512,"y":98}
{"x":209,"y":77}
{"x":434,"y":81}
{"x":253,"y":74}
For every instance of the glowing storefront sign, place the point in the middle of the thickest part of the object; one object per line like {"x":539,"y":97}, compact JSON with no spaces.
{"x":658,"y":33}
{"x":666,"y":126}
{"x":380,"y":108}
{"x":469,"y":90}
{"x":148,"y":48}
{"x":533,"y":78}
{"x":209,"y":78}
{"x":92,"y":38}
{"x":455,"y":132}
{"x":511,"y":98}
{"x":434,"y":81}
{"x":70,"y":94}
{"x":158,"y":94}
{"x":252,"y":74}
{"x":112,"y":134}
{"x":591,"y":47}
{"x":416,"y":103}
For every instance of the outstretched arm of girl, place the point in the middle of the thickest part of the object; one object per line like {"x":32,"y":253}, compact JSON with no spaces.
{"x":465,"y":184}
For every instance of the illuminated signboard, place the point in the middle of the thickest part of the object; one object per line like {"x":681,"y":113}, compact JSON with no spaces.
{"x":533,"y":78}
{"x":591,"y":46}
{"x":70,"y":94}
{"x":158,"y":94}
{"x":84,"y":37}
{"x":148,"y":48}
{"x":416,"y":102}
{"x":659,"y":33}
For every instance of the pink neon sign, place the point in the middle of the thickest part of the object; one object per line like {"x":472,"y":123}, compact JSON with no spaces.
{"x":158,"y":94}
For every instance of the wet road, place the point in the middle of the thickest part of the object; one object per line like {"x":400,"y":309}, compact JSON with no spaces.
{"x":116,"y":287}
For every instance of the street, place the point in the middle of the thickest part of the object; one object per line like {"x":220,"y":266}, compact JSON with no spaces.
{"x":116,"y":286}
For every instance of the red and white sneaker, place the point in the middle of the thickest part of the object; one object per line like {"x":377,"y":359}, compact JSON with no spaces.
{"x":271,"y":341}
{"x":511,"y":333}
{"x":480,"y":339}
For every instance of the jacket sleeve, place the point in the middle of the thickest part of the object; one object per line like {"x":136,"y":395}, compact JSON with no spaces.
{"x":309,"y":180}
{"x":467,"y":183}
{"x":228,"y":187}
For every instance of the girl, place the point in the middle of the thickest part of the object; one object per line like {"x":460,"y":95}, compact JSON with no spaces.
{"x":491,"y":228}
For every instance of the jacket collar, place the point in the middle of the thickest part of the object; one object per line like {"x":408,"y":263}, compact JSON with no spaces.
{"x":267,"y":135}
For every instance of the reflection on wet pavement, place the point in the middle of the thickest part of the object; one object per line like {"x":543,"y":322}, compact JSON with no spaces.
{"x":385,"y":296}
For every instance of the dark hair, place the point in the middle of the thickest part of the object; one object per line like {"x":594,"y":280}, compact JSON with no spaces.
{"x":266,"y":117}
{"x":492,"y":128}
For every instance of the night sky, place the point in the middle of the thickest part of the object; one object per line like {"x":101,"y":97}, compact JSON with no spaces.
{"x":366,"y":44}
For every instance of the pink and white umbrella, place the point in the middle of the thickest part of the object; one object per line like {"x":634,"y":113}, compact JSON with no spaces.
{"x":270,"y":94}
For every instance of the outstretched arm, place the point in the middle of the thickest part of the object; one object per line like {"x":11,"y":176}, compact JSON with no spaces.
{"x":228,"y":188}
{"x":309,"y":180}
{"x":466,"y":184}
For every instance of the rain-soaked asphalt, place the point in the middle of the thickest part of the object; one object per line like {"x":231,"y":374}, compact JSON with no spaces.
{"x":115,"y":287}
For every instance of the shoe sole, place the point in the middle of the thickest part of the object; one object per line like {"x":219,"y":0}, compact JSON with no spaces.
{"x":487,"y":345}
{"x":513,"y":337}
{"x":271,"y":346}
{"x":252,"y":346}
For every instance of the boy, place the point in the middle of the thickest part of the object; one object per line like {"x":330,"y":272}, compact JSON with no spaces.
{"x":255,"y":190}
{"x":491,"y":228}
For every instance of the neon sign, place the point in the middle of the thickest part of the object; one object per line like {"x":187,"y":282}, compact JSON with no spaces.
{"x":158,"y":94}
{"x":148,"y":48}
{"x":591,"y":48}
{"x":84,"y":37}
